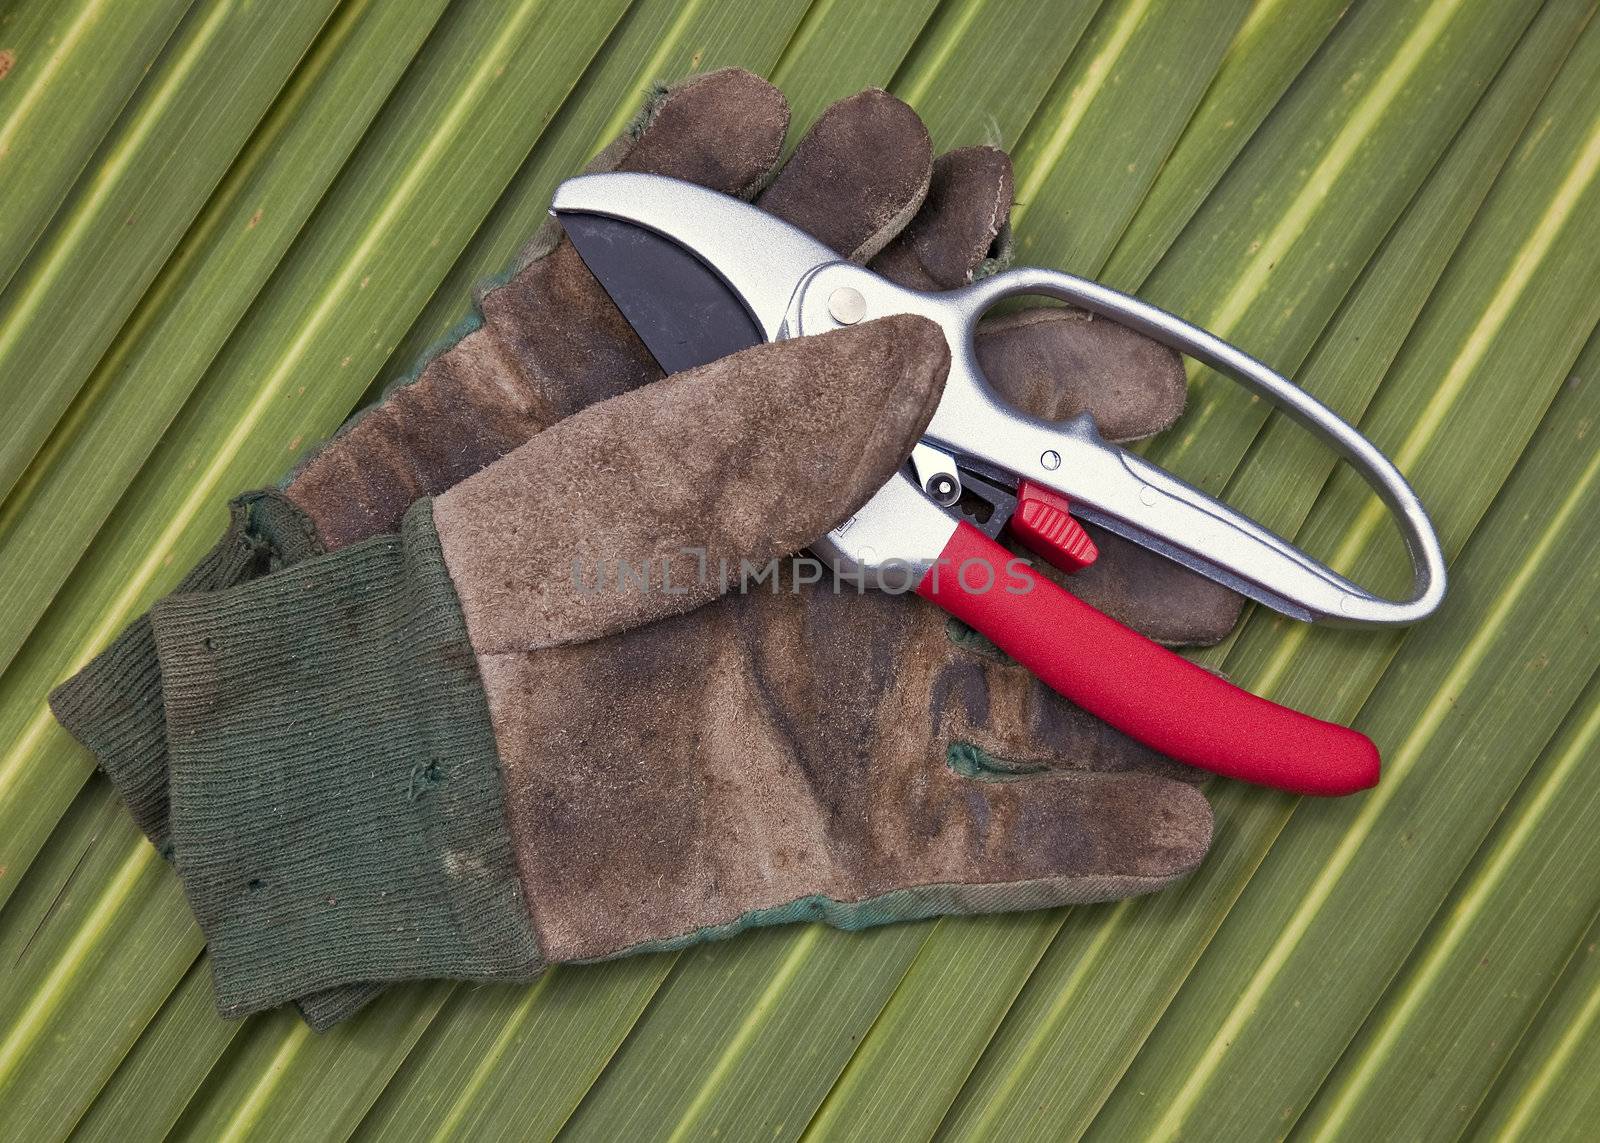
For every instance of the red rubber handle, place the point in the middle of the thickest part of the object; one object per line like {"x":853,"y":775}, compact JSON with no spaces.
{"x":1138,"y":686}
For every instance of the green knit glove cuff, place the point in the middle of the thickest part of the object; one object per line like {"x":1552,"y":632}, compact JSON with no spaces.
{"x":113,"y":707}
{"x":323,"y":1010}
{"x":114,"y":704}
{"x":336,"y":794}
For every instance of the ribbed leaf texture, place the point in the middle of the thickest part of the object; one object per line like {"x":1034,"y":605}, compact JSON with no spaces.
{"x":224,"y":224}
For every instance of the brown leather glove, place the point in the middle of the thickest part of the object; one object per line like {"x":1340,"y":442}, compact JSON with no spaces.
{"x":551,"y":343}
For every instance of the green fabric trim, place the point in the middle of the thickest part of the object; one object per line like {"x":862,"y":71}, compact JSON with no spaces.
{"x":972,"y":761}
{"x":114,"y":704}
{"x":335,"y":788}
{"x":917,"y":903}
{"x":970,"y":639}
{"x":322,"y":1010}
{"x":1001,"y":252}
{"x":114,"y":707}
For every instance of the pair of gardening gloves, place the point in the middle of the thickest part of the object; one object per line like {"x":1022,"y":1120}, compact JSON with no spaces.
{"x":385,"y":731}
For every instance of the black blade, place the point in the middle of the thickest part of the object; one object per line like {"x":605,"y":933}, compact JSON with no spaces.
{"x":676,"y":303}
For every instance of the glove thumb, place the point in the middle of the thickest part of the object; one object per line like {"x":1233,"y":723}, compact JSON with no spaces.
{"x":650,"y":503}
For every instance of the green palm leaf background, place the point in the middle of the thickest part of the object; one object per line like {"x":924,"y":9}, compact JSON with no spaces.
{"x":224,"y":222}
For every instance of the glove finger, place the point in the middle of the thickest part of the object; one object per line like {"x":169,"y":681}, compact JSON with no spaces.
{"x":997,"y":720}
{"x":964,"y":216}
{"x":1056,"y":363}
{"x":857,"y":177}
{"x":723,"y":130}
{"x":1057,"y":839}
{"x":1150,"y":593}
{"x":747,"y":458}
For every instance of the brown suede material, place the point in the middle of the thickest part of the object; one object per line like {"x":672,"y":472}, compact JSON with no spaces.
{"x":774,"y":747}
{"x":771,"y":747}
{"x":551,"y":342}
{"x":858,"y":176}
{"x":1052,"y":361}
{"x":723,"y":130}
{"x":462,"y":413}
{"x":1150,"y":593}
{"x":969,"y":200}
{"x":747,"y":458}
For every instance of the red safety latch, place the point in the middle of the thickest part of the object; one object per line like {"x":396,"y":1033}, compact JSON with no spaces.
{"x":1044,"y":525}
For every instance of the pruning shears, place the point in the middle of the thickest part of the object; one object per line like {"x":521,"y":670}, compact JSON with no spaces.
{"x":700,"y":275}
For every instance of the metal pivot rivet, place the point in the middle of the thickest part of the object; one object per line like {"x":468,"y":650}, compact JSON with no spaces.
{"x":847,"y":305}
{"x":1147,"y":496}
{"x":943,"y":489}
{"x":1051,"y":460}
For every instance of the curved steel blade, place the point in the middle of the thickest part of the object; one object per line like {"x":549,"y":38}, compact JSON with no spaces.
{"x":677,"y":304}
{"x":761,"y":260}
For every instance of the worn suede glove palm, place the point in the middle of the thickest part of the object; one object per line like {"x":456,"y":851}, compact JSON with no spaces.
{"x":798,"y":754}
{"x":794,"y":752}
